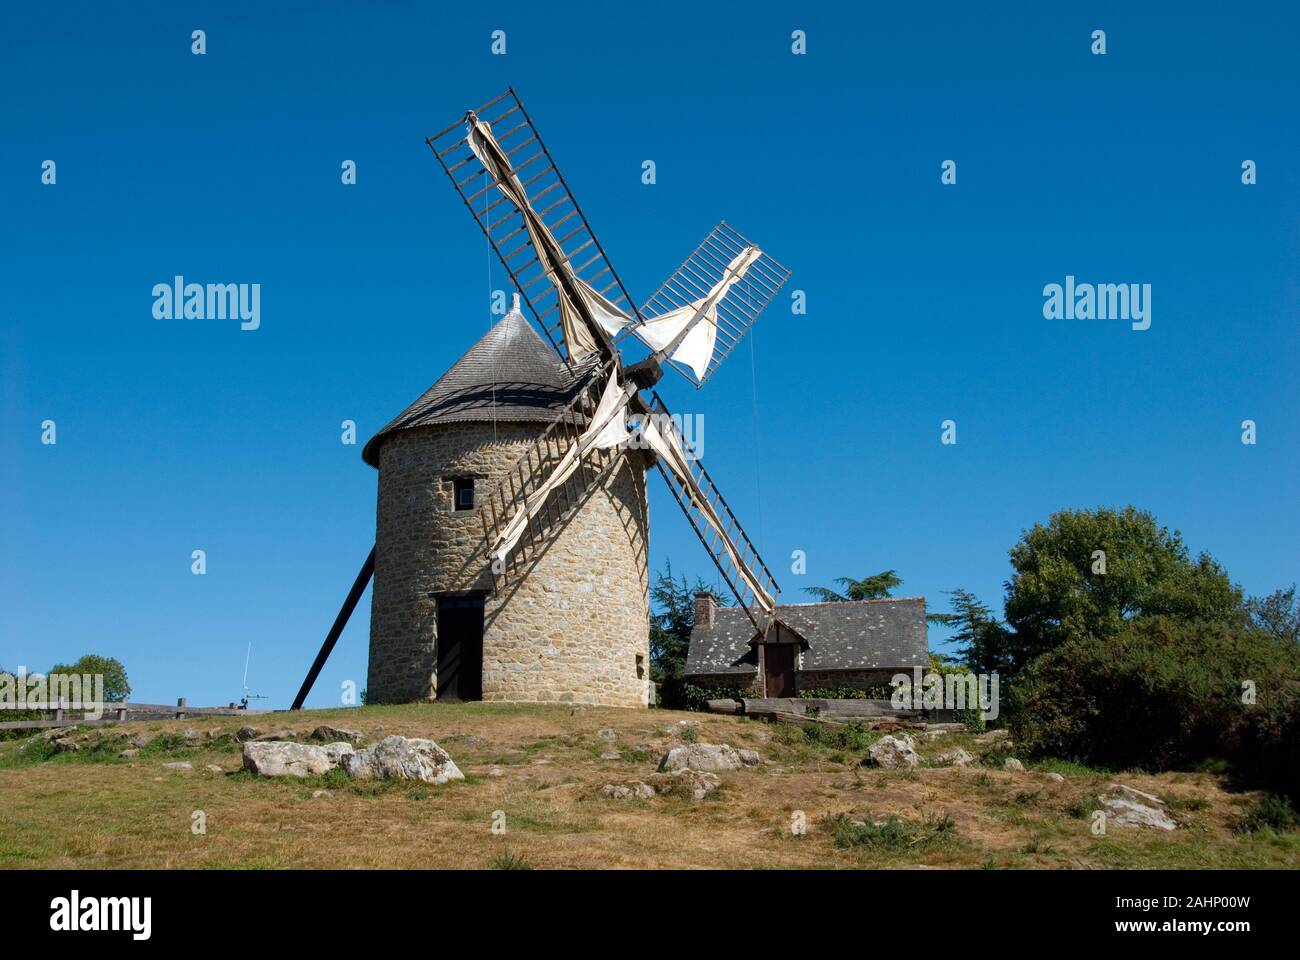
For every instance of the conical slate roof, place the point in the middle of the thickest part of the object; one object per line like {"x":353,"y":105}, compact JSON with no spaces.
{"x":511,"y":374}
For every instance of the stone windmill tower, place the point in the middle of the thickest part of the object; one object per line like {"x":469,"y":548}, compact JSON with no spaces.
{"x":574,"y":628}
{"x":511,"y":545}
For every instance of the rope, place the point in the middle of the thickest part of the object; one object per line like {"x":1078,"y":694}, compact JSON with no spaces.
{"x":758,"y":449}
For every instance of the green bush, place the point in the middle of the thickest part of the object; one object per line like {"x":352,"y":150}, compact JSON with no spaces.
{"x":1270,"y":812}
{"x":847,"y":693}
{"x":1164,"y":694}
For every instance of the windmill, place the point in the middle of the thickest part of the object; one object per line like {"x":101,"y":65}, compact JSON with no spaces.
{"x":508,"y":180}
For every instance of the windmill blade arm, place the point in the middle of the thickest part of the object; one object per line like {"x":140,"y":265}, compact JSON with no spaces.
{"x":709,"y":514}
{"x":565,"y":279}
{"x":699,"y":314}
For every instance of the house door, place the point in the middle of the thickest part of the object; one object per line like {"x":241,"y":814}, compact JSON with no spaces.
{"x":460,"y":648}
{"x":778,"y":667}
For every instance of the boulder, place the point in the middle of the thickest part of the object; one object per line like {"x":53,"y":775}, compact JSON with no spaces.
{"x":611,"y":755}
{"x":180,"y":765}
{"x":891,"y":752}
{"x":143,"y":739}
{"x":248,"y":733}
{"x":956,"y":757}
{"x":65,"y":745}
{"x":328,"y":734}
{"x":1129,"y":807}
{"x":277,"y":758}
{"x":705,"y":757}
{"x":632,"y":790}
{"x":129,"y":754}
{"x":1054,"y":777}
{"x":400,"y":758}
{"x":213,"y":768}
{"x":993,"y":736}
{"x":749,"y":758}
{"x":696,"y":783}
{"x":608,"y":733}
{"x":1011,"y":763}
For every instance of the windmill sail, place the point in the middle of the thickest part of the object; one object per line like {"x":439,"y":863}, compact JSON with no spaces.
{"x":688,"y":334}
{"x":503,"y":172}
{"x":608,"y":429}
{"x":715,"y":296}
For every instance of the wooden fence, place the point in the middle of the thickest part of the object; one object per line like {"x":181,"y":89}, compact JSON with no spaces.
{"x":127,"y":713}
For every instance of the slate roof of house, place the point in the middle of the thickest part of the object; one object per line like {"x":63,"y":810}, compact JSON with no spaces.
{"x":511,"y":374}
{"x":850,"y":635}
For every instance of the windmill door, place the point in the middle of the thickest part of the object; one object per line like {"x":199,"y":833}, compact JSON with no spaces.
{"x":460,"y":648}
{"x":778,"y":668}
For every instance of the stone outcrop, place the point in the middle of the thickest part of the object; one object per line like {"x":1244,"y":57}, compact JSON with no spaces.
{"x":892,"y":752}
{"x":400,"y":758}
{"x":278,"y":758}
{"x":956,"y":757}
{"x":327,"y":734}
{"x":703,"y":756}
{"x":1128,"y":807}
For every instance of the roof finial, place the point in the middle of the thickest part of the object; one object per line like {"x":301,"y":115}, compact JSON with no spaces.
{"x":514,"y":303}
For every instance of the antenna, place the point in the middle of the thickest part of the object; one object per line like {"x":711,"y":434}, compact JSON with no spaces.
{"x":243,"y":703}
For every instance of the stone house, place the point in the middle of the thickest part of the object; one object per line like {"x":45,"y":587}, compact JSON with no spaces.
{"x":571,"y":626}
{"x":850,"y":644}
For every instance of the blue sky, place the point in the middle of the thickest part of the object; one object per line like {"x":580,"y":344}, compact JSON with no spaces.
{"x":924,"y":300}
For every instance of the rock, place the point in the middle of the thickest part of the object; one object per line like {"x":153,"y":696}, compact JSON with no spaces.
{"x":277,"y":758}
{"x":213,"y":768}
{"x":891,"y":752}
{"x":143,"y":739}
{"x":541,"y":761}
{"x":956,"y":757}
{"x":1054,"y":777}
{"x":317,"y":794}
{"x":993,"y":736}
{"x":55,"y":733}
{"x":129,"y":754}
{"x":400,"y":758}
{"x":215,"y":734}
{"x":328,"y":734}
{"x":749,"y":758}
{"x":495,"y":771}
{"x":698,"y":783}
{"x":178,"y":765}
{"x":633,"y":790}
{"x":472,"y":741}
{"x":1011,"y":763}
{"x":65,"y":745}
{"x":611,"y":755}
{"x":607,"y":734}
{"x":291,"y":736}
{"x":700,"y":756}
{"x":935,"y":734}
{"x":248,"y":733}
{"x":1129,"y":807}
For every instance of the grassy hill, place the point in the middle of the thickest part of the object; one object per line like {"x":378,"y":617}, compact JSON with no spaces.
{"x":541,"y":767}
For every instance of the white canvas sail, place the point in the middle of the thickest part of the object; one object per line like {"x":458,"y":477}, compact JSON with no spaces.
{"x":608,"y":428}
{"x":696,"y":348}
{"x":578,"y":336}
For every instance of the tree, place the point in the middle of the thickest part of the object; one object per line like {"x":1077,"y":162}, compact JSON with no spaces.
{"x":1278,"y":614}
{"x":1088,"y":572}
{"x":876,"y":587}
{"x":671,"y":623}
{"x":116,"y":687}
{"x":985,"y":642}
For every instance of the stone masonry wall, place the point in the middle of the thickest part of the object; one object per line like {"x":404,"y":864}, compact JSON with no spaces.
{"x":568,"y":627}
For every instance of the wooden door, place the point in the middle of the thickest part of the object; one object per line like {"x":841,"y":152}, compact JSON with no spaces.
{"x":778,"y":668}
{"x":460,"y":648}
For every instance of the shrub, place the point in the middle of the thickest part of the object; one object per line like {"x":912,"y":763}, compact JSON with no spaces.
{"x":847,"y":693}
{"x":1270,"y":812}
{"x":892,"y":834}
{"x":675,"y":693}
{"x":1165,"y":694}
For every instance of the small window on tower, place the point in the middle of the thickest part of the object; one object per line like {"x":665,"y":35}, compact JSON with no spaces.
{"x":464,"y":493}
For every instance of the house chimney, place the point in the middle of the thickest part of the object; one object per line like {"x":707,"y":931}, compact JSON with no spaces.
{"x":705,"y":604}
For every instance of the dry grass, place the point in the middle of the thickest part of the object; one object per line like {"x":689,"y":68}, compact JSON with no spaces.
{"x":70,"y":812}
